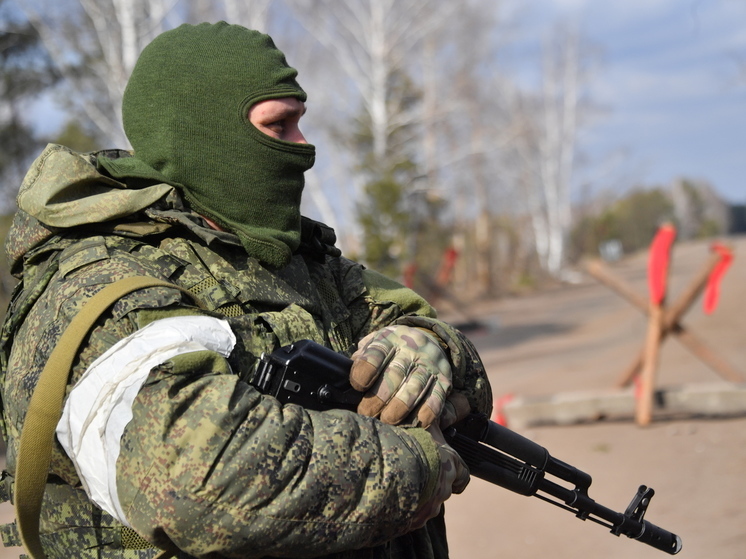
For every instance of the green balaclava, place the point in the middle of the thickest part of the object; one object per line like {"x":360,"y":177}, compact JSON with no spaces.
{"x":185,"y":111}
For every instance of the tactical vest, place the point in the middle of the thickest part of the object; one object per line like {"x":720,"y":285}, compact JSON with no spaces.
{"x":70,"y":521}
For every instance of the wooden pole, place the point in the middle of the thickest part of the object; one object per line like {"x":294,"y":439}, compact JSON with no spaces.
{"x":671,"y":321}
{"x":644,"y":409}
{"x":658,"y":260}
{"x":709,"y":357}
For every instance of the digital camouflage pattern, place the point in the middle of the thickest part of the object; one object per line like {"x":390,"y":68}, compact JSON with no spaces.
{"x":206,"y":462}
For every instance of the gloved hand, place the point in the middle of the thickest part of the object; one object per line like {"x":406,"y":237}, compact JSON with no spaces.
{"x":452,"y":478}
{"x":469,"y":377}
{"x":404,"y":371}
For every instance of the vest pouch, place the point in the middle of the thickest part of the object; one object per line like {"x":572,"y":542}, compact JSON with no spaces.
{"x":198,"y":277}
{"x":291,"y":324}
{"x":71,"y":524}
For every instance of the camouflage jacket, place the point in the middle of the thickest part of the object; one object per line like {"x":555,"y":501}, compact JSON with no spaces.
{"x":207,"y":463}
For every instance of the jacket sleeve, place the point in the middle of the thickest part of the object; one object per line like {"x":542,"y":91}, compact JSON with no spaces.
{"x":215,"y":467}
{"x":383,"y":291}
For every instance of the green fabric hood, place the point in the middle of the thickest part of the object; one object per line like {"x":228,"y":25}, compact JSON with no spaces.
{"x":64,"y":189}
{"x":185,"y":111}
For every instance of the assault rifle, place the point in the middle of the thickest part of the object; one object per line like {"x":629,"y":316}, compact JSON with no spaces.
{"x":312,"y":376}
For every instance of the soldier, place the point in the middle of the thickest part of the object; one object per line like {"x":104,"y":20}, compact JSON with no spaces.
{"x":162,"y":442}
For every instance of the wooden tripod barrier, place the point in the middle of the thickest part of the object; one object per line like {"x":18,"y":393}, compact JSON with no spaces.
{"x":671,"y":321}
{"x":661,"y":323}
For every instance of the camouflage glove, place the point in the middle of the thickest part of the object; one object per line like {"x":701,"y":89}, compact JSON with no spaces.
{"x":471,"y":387}
{"x":405,"y":373}
{"x":453,"y":477}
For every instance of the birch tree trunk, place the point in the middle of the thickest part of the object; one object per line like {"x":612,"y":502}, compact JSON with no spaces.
{"x":372,"y":40}
{"x":372,"y":43}
{"x":550,"y":151}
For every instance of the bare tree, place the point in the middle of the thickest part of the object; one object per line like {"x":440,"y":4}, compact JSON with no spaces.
{"x":468,"y":120}
{"x":372,"y":40}
{"x":358,"y":46}
{"x":99,"y":56}
{"x":95,"y":44}
{"x":434,"y":43}
{"x":548,"y":148}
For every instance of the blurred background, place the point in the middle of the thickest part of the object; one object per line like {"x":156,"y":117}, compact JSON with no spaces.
{"x":479,"y":151}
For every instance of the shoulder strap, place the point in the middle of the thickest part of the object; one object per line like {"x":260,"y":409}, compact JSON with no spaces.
{"x":45,"y":408}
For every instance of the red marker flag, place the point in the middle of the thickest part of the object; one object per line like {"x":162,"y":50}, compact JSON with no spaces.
{"x":712,"y":289}
{"x":449,"y":262}
{"x":408,"y":275}
{"x":660,"y":253}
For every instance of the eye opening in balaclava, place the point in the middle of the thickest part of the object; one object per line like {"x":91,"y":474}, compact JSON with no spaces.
{"x":185,"y":111}
{"x":258,"y":135}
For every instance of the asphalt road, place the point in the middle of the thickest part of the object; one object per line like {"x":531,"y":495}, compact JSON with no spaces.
{"x":583,"y":337}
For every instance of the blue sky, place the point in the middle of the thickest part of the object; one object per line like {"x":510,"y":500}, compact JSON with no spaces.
{"x":672,"y":82}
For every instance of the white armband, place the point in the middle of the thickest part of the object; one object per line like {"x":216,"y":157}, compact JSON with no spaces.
{"x":99,"y":406}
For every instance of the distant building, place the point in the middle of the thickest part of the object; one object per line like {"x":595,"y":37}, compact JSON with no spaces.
{"x":737,"y":219}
